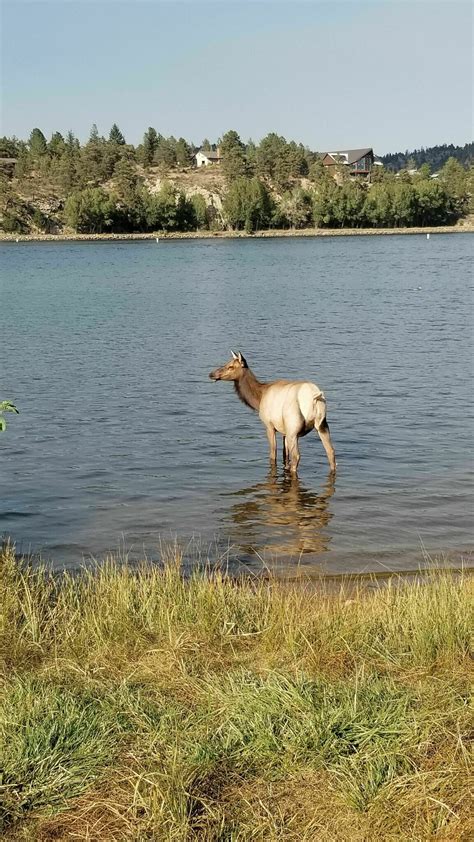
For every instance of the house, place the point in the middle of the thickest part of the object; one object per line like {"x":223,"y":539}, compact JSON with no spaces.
{"x":207,"y":156}
{"x":358,"y":161}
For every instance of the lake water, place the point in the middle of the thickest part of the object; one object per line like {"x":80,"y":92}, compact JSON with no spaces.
{"x":124,"y":444}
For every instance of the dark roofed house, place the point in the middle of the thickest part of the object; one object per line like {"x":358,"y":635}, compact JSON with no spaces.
{"x":207,"y":156}
{"x":358,"y":161}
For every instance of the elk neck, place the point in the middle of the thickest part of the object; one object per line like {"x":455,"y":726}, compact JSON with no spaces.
{"x":249,"y":389}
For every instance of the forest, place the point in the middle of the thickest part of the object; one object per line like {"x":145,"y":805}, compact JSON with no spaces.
{"x":107,"y":185}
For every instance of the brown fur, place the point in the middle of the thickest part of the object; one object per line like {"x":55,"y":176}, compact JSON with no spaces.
{"x":249,"y":389}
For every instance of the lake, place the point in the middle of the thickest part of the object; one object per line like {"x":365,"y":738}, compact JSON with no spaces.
{"x":124,"y":445}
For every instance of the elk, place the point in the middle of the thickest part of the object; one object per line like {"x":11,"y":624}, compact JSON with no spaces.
{"x":290,"y":407}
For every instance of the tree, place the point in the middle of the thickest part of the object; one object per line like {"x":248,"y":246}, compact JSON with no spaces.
{"x":10,"y":147}
{"x":454,"y":179}
{"x":165,"y":155}
{"x":90,"y":211}
{"x":126,"y":179}
{"x":91,"y":167}
{"x":234,"y":164}
{"x":184,"y":155}
{"x":378,"y":206}
{"x":151,"y":140}
{"x":424,"y":171}
{"x":317,"y":171}
{"x":434,"y":206}
{"x":23,"y":165}
{"x":404,"y":205}
{"x":296,"y":207}
{"x":116,"y":136}
{"x":248,"y":205}
{"x":251,"y":156}
{"x":280,"y":161}
{"x":200,"y":211}
{"x":56,"y":145}
{"x":37,"y":143}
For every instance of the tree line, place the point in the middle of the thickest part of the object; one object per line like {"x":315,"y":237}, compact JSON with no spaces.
{"x":435,"y":156}
{"x":102,"y":186}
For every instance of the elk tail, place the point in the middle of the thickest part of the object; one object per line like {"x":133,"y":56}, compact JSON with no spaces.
{"x":319,"y":402}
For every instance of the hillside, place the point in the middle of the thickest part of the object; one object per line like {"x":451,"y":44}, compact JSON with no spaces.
{"x":434,"y":156}
{"x":109,"y":186}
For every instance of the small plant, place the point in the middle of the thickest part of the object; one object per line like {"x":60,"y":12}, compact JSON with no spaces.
{"x":6,"y":406}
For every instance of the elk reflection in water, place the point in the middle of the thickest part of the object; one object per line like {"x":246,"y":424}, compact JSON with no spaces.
{"x":283,"y":516}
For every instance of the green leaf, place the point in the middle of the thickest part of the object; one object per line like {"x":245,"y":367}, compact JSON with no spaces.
{"x":8,"y":406}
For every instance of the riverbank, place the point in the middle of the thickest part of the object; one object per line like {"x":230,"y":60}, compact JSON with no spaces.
{"x":466,"y":228}
{"x":139,"y":705}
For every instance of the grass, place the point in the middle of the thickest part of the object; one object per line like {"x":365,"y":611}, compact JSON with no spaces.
{"x":138,"y":705}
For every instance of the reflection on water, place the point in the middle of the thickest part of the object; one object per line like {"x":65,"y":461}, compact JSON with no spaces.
{"x":282,"y":514}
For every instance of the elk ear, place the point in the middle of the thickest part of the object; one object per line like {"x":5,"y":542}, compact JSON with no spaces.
{"x":234,"y":356}
{"x":242,"y":360}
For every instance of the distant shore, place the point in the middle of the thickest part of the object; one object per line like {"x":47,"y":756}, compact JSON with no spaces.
{"x":466,"y":228}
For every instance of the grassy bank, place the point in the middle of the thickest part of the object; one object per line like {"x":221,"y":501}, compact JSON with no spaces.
{"x":465,"y":226}
{"x":137,"y":705}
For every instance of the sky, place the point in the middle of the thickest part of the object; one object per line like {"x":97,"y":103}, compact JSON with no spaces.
{"x":387,"y":74}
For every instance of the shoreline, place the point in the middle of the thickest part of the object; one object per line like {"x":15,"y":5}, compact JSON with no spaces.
{"x":133,"y":700}
{"x":267,"y":234}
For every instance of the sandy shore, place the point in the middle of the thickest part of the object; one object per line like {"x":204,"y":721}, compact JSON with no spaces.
{"x":467,"y":228}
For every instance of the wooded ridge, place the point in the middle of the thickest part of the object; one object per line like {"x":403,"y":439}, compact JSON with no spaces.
{"x":107,"y":185}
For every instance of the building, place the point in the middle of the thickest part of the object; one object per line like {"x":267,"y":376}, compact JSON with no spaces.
{"x":207,"y":156}
{"x":358,"y":161}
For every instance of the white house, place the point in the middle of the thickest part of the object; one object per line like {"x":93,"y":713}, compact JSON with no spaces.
{"x":207,"y":156}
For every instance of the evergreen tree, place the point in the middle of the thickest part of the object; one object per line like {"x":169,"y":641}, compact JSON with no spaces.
{"x":150,"y":144}
{"x":126,"y":180}
{"x":234,"y":164}
{"x":10,"y":147}
{"x":165,"y":154}
{"x":251,"y":156}
{"x":37,"y":143}
{"x":22,"y":166}
{"x":184,"y":155}
{"x":56,"y":145}
{"x":91,"y":167}
{"x":116,"y":136}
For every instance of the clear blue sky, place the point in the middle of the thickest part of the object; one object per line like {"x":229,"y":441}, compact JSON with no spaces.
{"x":392,"y":74}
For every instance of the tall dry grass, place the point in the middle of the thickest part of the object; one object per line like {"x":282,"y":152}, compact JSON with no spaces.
{"x":137,"y":704}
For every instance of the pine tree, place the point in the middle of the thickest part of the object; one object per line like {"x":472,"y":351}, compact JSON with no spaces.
{"x":234,"y":164}
{"x":150,"y":144}
{"x":183,"y":153}
{"x":37,"y":143}
{"x":56,"y":145}
{"x":116,"y":136}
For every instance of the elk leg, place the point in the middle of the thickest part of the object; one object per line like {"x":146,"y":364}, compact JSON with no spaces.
{"x":272,"y":441}
{"x":292,"y":442}
{"x":286,"y":456}
{"x":324,"y":435}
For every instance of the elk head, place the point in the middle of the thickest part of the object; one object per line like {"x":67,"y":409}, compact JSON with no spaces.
{"x":232,"y":370}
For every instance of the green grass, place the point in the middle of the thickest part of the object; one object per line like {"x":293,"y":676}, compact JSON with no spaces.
{"x":137,"y":705}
